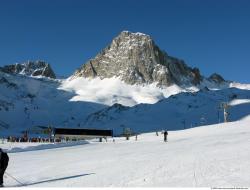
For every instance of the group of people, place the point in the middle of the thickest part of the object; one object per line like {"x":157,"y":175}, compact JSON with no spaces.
{"x":4,"y":160}
{"x":25,"y":139}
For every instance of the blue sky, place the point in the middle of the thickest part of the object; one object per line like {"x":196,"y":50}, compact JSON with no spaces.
{"x":213,"y":35}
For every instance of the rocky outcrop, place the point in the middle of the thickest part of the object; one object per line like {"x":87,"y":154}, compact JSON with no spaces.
{"x":216,"y":78}
{"x":136,"y":59}
{"x":30,"y":68}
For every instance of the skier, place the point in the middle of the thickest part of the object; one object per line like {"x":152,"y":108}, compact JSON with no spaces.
{"x":4,"y":159}
{"x":165,"y":136}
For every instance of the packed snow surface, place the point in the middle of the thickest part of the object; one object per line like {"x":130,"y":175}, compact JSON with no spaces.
{"x":208,"y":156}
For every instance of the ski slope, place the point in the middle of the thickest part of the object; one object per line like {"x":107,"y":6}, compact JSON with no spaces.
{"x":208,"y":156}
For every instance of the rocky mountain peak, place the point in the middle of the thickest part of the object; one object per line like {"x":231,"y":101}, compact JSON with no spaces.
{"x":216,"y":78}
{"x":130,"y":39}
{"x":30,"y":68}
{"x":136,"y":59}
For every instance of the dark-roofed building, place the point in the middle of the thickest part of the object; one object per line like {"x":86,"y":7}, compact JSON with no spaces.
{"x":77,"y":134}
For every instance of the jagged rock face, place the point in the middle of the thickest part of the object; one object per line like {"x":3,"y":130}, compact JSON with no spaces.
{"x":37,"y":68}
{"x":216,"y":78}
{"x":136,"y":59}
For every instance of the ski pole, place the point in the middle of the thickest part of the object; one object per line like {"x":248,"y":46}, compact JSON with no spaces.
{"x":15,"y":179}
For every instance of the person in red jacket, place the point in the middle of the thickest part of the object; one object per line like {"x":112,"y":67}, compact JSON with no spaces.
{"x":4,"y":160}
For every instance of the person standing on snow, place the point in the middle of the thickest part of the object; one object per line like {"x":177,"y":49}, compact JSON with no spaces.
{"x":4,"y":160}
{"x":165,"y":136}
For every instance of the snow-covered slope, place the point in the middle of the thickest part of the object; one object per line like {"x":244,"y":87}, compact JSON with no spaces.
{"x":109,"y":91}
{"x":184,"y":110}
{"x":27,"y":102}
{"x":112,"y":90}
{"x":208,"y":156}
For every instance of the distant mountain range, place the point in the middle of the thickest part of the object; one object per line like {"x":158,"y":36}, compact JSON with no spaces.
{"x":30,"y":68}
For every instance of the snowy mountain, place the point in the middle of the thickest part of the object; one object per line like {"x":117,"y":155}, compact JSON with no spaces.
{"x":131,"y":83}
{"x":135,"y":59}
{"x":30,"y":68}
{"x":133,"y":70}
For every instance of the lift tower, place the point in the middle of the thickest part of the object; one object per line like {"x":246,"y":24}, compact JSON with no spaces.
{"x":225,"y":107}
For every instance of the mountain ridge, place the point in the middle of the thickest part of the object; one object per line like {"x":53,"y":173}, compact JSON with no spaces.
{"x":30,"y":68}
{"x":136,"y":59}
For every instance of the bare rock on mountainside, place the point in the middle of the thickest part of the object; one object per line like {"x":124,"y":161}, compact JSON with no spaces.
{"x":136,"y":59}
{"x":30,"y":68}
{"x":216,"y":78}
